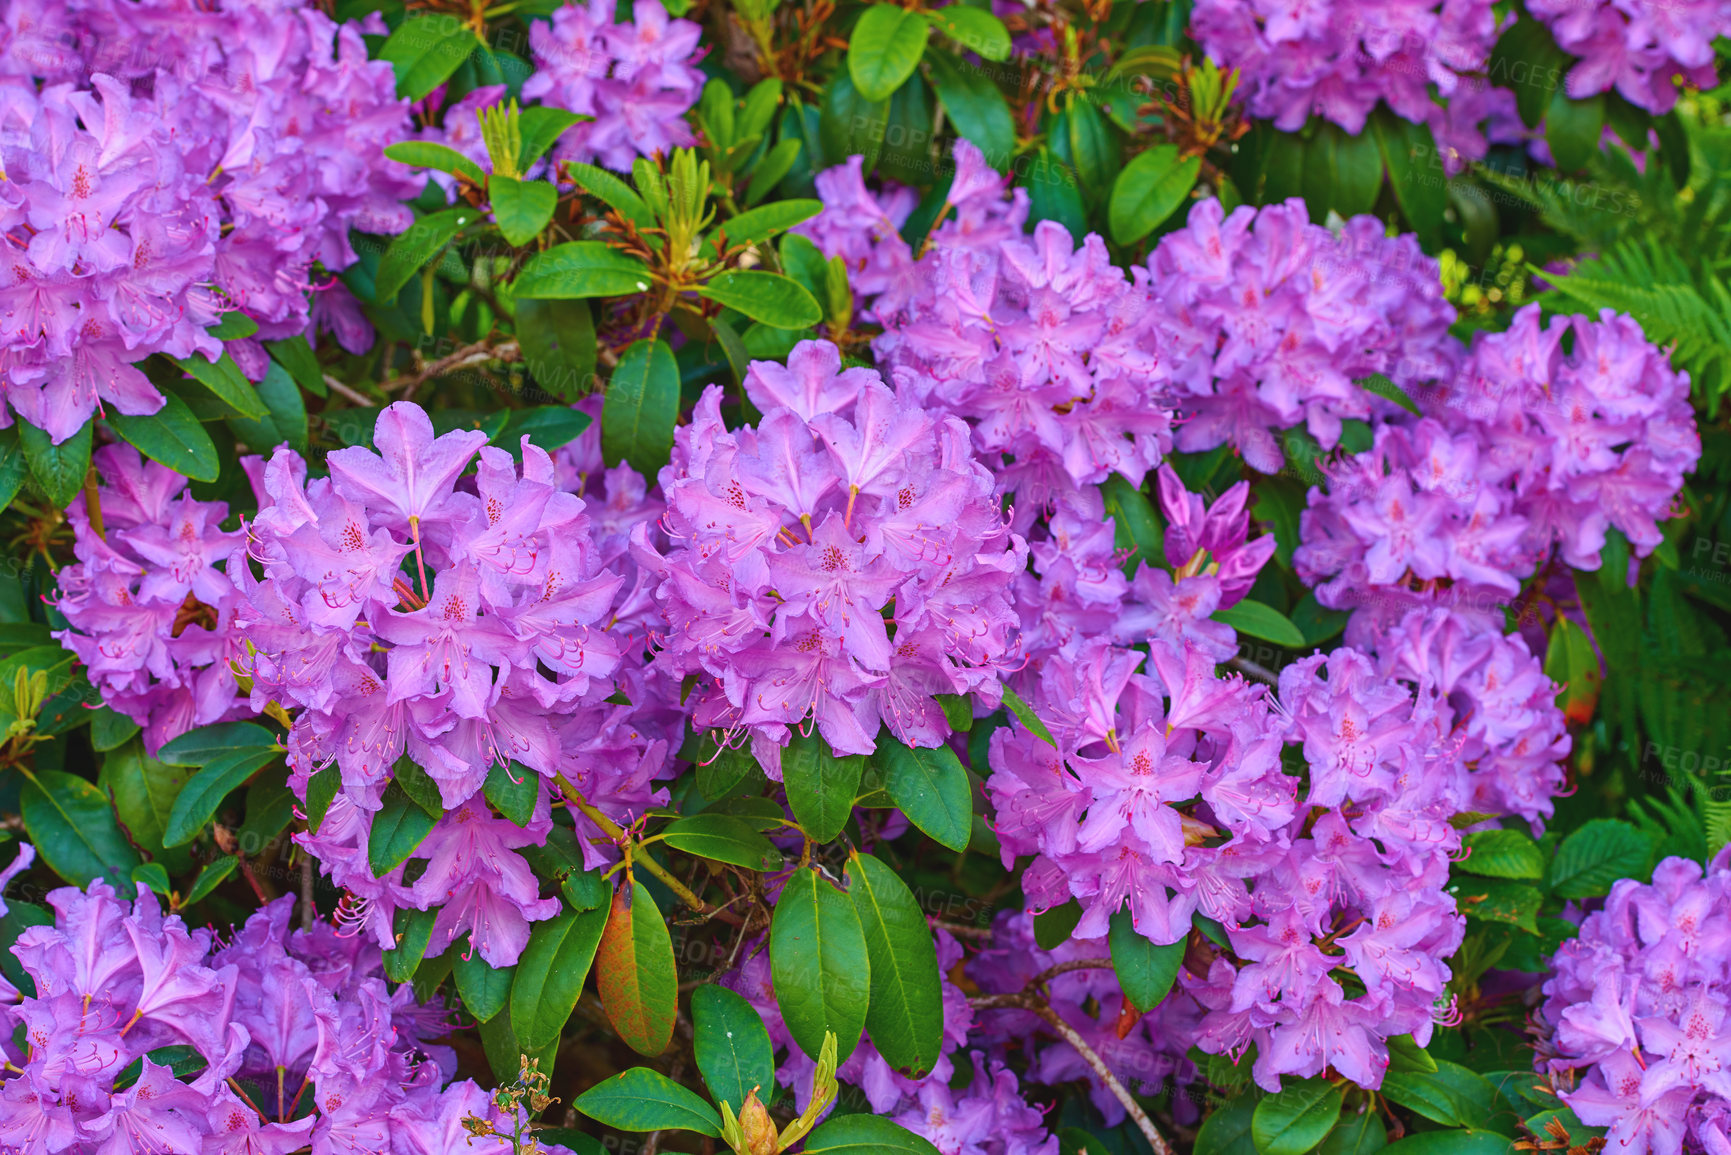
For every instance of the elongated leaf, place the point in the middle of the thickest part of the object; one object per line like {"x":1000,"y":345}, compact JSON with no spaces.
{"x":723,"y":838}
{"x":885,"y":48}
{"x":767,"y":298}
{"x":1462,"y":1142}
{"x":1573,"y":129}
{"x":1028,"y":718}
{"x":551,"y":973}
{"x":1148,"y":190}
{"x":208,"y":743}
{"x":539,"y":128}
{"x":760,"y":224}
{"x":521,"y":208}
{"x":975,"y":29}
{"x":224,"y":381}
{"x":558,"y":341}
{"x":172,"y":436}
{"x":399,"y":827}
{"x":641,"y":406}
{"x":637,"y":978}
{"x":975,"y":104}
{"x":72,"y":827}
{"x":1594,"y":856}
{"x":154,"y":875}
{"x":143,"y":791}
{"x":1226,"y":1131}
{"x":1420,"y":184}
{"x":13,"y":466}
{"x":821,"y":787}
{"x":211,"y":877}
{"x":430,"y":154}
{"x":931,"y":788}
{"x":732,"y":1045}
{"x":426,"y":50}
{"x":865,"y":1135}
{"x":775,"y":165}
{"x":200,"y":797}
{"x":818,"y":959}
{"x":514,"y":790}
{"x":1341,"y":172}
{"x":1145,"y":970}
{"x":1296,"y":1118}
{"x":612,"y":192}
{"x":295,"y":355}
{"x":1358,"y":1133}
{"x":1261,"y":621}
{"x":484,"y":989}
{"x":59,"y":470}
{"x":645,"y":1100}
{"x":413,"y":248}
{"x":581,"y":269}
{"x":1502,"y":854}
{"x":906,"y":1013}
{"x":110,"y":729}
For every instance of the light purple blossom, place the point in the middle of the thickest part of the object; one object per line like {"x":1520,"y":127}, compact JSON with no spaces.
{"x":1639,"y":47}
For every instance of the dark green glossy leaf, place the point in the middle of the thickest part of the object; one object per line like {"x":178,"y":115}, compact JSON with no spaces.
{"x":641,"y":406}
{"x":521,"y":208}
{"x":398,"y":828}
{"x":410,"y":250}
{"x":885,"y":48}
{"x":1594,"y":856}
{"x":645,"y":1100}
{"x":539,"y":128}
{"x":171,"y":436}
{"x":906,"y":1011}
{"x":821,"y":787}
{"x":1420,"y":184}
{"x":930,"y":787}
{"x":975,"y":103}
{"x":767,"y":298}
{"x":865,"y":1135}
{"x":1573,"y":129}
{"x":57,"y":470}
{"x":513,"y":790}
{"x":443,"y":158}
{"x":199,"y":798}
{"x":551,"y":973}
{"x":1261,"y":621}
{"x":1146,"y":971}
{"x":819,"y":962}
{"x":211,"y":877}
{"x":72,"y":826}
{"x":581,"y":269}
{"x":975,"y":29}
{"x":483,"y":988}
{"x":1295,"y":1118}
{"x":724,"y":838}
{"x":426,"y":50}
{"x":1148,"y":190}
{"x":558,"y":343}
{"x":732,"y":1045}
{"x":1502,"y":854}
{"x":760,"y":224}
{"x":208,"y":743}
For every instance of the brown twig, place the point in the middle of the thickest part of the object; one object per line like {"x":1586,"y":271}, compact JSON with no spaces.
{"x":343,"y":390}
{"x":468,"y":356}
{"x":1260,"y":673}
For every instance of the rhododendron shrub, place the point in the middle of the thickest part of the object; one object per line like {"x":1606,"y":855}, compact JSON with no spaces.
{"x":1006,"y":579}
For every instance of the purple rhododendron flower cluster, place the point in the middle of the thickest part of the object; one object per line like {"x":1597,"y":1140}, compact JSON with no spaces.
{"x":1339,"y":58}
{"x":149,"y":603}
{"x":1265,"y":320}
{"x":1637,"y":1008}
{"x":1639,"y":47}
{"x":636,"y":80}
{"x":293,"y":1038}
{"x":1528,"y":449}
{"x":462,"y":629}
{"x":842,"y":562}
{"x":148,"y":191}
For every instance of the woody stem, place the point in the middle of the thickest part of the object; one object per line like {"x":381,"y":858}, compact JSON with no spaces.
{"x":616,"y":832}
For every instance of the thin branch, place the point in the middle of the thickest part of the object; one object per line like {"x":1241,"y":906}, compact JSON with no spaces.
{"x":358,"y":398}
{"x":1027,"y":1002}
{"x":617,"y":833}
{"x":1260,"y":673}
{"x":1064,"y":968}
{"x":467,"y":357}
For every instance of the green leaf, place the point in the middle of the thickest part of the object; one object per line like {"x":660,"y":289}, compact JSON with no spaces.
{"x":513,"y":791}
{"x":1029,"y":719}
{"x":1261,"y":621}
{"x":1463,"y":1142}
{"x":723,"y":838}
{"x":636,"y":975}
{"x":865,"y":1135}
{"x":1358,"y":1133}
{"x":1527,"y":60}
{"x":558,"y":343}
{"x":1227,"y":1130}
{"x":612,"y":192}
{"x":72,"y":827}
{"x":1341,"y":172}
{"x":885,"y":48}
{"x":442,"y":158}
{"x":483,"y":988}
{"x":211,"y":877}
{"x":154,"y":875}
{"x":585,"y":890}
{"x":399,"y":826}
{"x":551,"y":973}
{"x":505,"y":1052}
{"x":521,"y":208}
{"x":1498,"y":900}
{"x":413,"y":248}
{"x":770,"y":171}
{"x":1451,"y":1095}
{"x":1146,"y":971}
{"x":295,"y":355}
{"x":1597,"y":854}
{"x":414,"y":781}
{"x":171,"y":436}
{"x":767,"y":298}
{"x":109,"y":729}
{"x":234,"y":324}
{"x":732,"y":1045}
{"x":286,"y":420}
{"x":645,"y":1100}
{"x":321,"y":791}
{"x":1296,"y":1118}
{"x":1135,"y":525}
{"x":1502,"y":854}
{"x":426,"y":50}
{"x":540,"y":127}
{"x":200,"y":797}
{"x":931,"y":788}
{"x":905,"y":1014}
{"x":181,"y":1059}
{"x":760,"y":224}
{"x":13,"y":466}
{"x":581,"y":269}
{"x":413,"y":930}
{"x":1148,"y":190}
{"x":641,"y":406}
{"x":1381,"y":386}
{"x":820,"y":966}
{"x":58,"y":469}
{"x":821,"y":787}
{"x":975,"y":29}
{"x":1573,"y":129}
{"x":143,"y":791}
{"x":1420,"y":186}
{"x":974,"y":103}
{"x":208,"y":743}
{"x":546,"y":426}
{"x":1083,"y":139}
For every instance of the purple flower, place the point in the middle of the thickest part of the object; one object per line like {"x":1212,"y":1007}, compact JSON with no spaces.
{"x":1639,"y":47}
